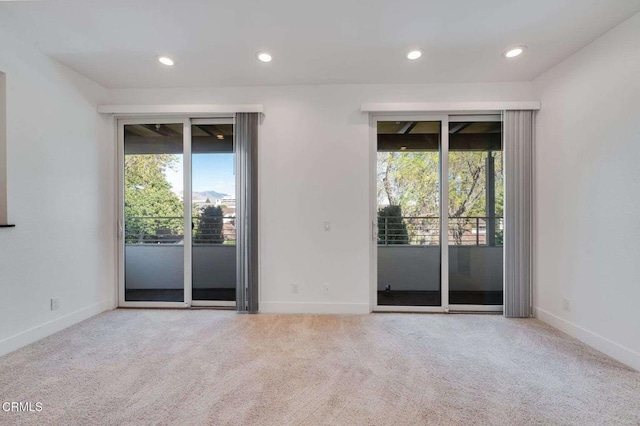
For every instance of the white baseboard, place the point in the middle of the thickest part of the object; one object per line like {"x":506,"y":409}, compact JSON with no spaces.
{"x":41,"y":331}
{"x":313,"y":308}
{"x":613,"y":349}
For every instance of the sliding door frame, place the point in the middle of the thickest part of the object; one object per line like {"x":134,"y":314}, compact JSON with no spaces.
{"x":194,"y":121}
{"x":486,"y":116}
{"x":187,"y":213}
{"x":186,"y":148}
{"x":444,"y":118}
{"x":444,"y":217}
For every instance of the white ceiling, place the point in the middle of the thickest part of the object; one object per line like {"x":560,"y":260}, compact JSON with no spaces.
{"x":214,"y":43}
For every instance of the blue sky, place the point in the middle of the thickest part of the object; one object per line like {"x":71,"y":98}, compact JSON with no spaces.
{"x":210,"y":172}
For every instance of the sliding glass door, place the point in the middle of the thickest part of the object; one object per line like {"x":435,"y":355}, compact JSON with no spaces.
{"x":213,"y":196}
{"x":153,"y":213}
{"x":476,"y":200}
{"x":408,"y":212}
{"x":177,"y":216}
{"x":439,"y":210}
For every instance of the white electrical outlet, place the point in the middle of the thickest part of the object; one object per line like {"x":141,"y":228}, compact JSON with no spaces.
{"x":327,"y":226}
{"x":55,"y":303}
{"x":566,"y":304}
{"x":295,"y":287}
{"x":325,"y":288}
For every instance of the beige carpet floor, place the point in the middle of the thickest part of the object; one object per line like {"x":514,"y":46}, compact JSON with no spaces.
{"x":198,"y":367}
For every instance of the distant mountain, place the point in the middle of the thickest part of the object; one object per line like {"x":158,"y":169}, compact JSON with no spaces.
{"x":203,"y":195}
{"x":211,"y":195}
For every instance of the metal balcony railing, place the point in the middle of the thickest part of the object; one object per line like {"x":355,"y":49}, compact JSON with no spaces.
{"x":170,"y":230}
{"x":425,"y":231}
{"x":392,"y":230}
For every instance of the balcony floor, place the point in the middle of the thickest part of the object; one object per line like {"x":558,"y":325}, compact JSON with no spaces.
{"x":177,"y":295}
{"x":432,"y":298}
{"x":392,"y":298}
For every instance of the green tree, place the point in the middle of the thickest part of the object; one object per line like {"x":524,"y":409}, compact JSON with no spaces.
{"x":151,"y":209}
{"x":411,"y":180}
{"x":210,"y":225}
{"x":391,"y":226}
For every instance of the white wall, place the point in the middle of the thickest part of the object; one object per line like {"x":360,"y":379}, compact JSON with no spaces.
{"x":314,"y":167}
{"x":60,"y":191}
{"x":588,"y":194}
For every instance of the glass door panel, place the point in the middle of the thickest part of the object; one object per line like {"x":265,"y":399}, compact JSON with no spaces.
{"x":153,"y":213}
{"x":408,"y":201}
{"x":213,"y":211}
{"x":476,"y":225}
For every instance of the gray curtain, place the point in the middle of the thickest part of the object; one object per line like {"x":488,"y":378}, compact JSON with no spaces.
{"x":519,"y":128}
{"x":246,"y":149}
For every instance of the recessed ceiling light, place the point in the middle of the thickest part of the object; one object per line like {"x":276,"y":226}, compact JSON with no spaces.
{"x":514,"y":51}
{"x":264,"y":57}
{"x":414,"y":54}
{"x":165,"y":60}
